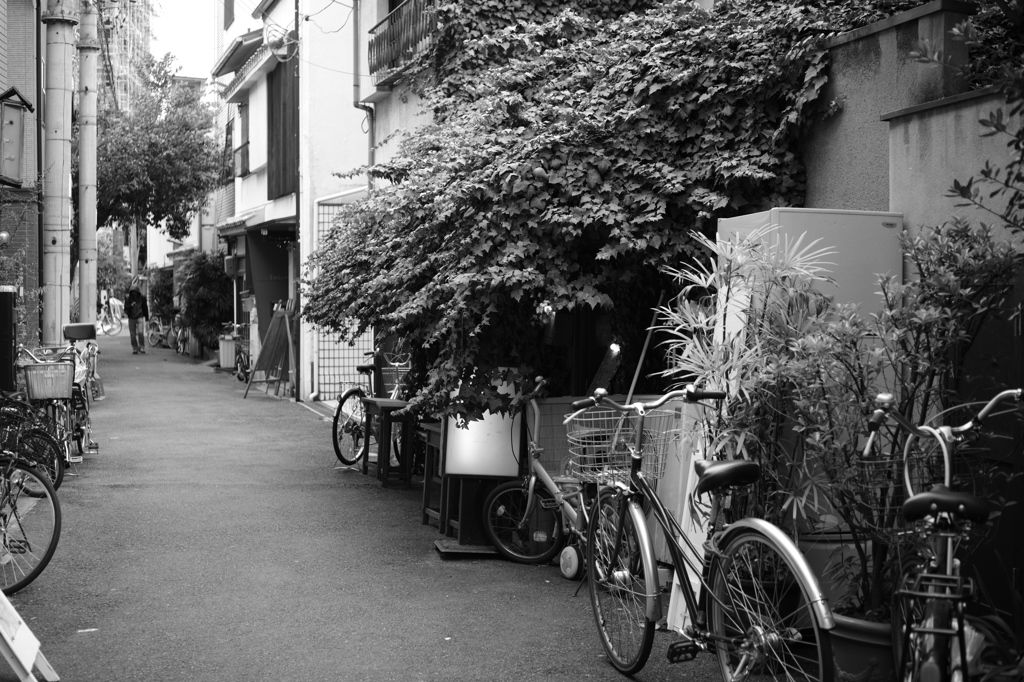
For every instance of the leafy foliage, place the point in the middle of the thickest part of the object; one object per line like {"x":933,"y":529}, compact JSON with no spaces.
{"x":205,"y":291}
{"x":802,"y":372}
{"x":570,"y":155}
{"x":111,"y":272}
{"x":161,"y":294}
{"x":158,"y":161}
{"x":562,"y":174}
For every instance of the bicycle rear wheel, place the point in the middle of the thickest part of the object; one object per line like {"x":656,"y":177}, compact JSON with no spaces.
{"x":111,"y":325}
{"x":30,"y":523}
{"x":760,"y":616}
{"x":525,"y":535}
{"x":349,"y":429}
{"x":621,"y":584}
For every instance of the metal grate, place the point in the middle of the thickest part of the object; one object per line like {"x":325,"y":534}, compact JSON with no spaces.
{"x":336,"y":360}
{"x":336,"y":370}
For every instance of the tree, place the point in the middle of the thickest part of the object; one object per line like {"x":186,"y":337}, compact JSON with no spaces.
{"x":158,"y":161}
{"x":206,"y":291}
{"x":111,"y":273}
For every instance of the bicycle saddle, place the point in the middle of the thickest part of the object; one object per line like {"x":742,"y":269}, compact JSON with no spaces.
{"x":82,"y":331}
{"x":713,"y":475}
{"x":941,"y":499}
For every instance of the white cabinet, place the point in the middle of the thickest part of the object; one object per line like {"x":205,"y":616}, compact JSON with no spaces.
{"x":866,"y":245}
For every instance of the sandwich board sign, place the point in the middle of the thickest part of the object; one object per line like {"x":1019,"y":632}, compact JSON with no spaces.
{"x":20,"y":647}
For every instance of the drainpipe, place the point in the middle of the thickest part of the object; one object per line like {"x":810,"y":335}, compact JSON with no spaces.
{"x":357,"y":98}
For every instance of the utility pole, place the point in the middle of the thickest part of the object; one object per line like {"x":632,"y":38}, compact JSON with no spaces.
{"x":88,"y":54}
{"x":60,"y":19}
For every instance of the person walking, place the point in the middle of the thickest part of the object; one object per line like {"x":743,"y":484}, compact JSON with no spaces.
{"x":138,"y":312}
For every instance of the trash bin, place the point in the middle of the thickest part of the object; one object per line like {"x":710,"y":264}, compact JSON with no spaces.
{"x":227,"y":351}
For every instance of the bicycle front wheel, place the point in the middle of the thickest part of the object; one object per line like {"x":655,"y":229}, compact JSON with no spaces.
{"x":760,"y":615}
{"x":523,"y":531}
{"x":29,"y":524}
{"x":43,"y":450}
{"x":349,"y":429}
{"x":621,"y":583}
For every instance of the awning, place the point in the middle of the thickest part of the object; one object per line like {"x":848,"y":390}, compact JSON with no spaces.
{"x":238,"y":53}
{"x":255,"y":222}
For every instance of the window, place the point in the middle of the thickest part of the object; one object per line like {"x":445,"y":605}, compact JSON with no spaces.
{"x":282,"y":130}
{"x":229,"y":150}
{"x":242,"y":150}
{"x":229,"y":12}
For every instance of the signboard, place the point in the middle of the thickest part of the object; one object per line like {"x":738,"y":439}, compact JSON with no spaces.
{"x":20,"y":647}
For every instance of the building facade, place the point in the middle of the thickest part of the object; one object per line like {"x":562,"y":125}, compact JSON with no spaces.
{"x":283,"y":72}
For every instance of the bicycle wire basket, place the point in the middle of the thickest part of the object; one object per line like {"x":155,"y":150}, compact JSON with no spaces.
{"x":599,"y":442}
{"x":881,"y":490}
{"x":392,"y":377}
{"x":49,"y":380}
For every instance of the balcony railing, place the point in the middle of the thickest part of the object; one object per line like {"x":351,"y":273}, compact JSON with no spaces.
{"x":405,"y":34}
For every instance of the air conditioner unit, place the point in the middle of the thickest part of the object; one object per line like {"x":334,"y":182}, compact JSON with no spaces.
{"x":231,"y":266}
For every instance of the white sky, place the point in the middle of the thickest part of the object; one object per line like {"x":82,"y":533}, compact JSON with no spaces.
{"x":186,"y":29}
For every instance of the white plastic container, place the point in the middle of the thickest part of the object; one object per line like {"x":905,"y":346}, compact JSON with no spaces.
{"x":488,"y":447}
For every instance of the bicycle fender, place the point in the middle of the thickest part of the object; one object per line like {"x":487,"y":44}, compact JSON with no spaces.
{"x":819,"y":604}
{"x":647,"y":549}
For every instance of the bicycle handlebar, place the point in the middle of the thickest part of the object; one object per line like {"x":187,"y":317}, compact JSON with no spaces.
{"x":690,"y":394}
{"x":64,"y":350}
{"x":885,"y":403}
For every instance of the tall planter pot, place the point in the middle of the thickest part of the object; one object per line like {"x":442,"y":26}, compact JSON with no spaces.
{"x":862,"y":650}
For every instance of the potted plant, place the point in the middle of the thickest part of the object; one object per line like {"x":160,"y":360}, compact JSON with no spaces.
{"x":803,"y":372}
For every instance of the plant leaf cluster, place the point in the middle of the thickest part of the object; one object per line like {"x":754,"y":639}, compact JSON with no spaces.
{"x":206,"y":296}
{"x":802,"y":373}
{"x":583,"y":157}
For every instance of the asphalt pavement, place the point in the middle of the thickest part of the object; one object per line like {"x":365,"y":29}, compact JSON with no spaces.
{"x":213,"y":538}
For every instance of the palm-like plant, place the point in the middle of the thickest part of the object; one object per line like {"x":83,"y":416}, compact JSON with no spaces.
{"x":803,"y":371}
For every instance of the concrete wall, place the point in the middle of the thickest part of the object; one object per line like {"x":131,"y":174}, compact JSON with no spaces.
{"x":930,"y":146}
{"x":873,"y":74}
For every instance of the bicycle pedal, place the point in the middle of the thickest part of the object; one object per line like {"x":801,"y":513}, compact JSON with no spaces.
{"x":75,"y":459}
{"x":683,"y":650}
{"x":549,"y":504}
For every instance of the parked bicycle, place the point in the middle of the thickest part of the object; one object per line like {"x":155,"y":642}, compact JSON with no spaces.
{"x":383,"y":379}
{"x":933,"y":637}
{"x":110,"y":318}
{"x":30,"y":522}
{"x":51,"y":388}
{"x":161,"y":331}
{"x":759,"y":608}
{"x":26,"y":432}
{"x":532,"y":519}
{"x":242,"y":362}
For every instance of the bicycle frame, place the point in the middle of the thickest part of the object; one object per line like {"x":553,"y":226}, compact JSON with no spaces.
{"x":640,"y":490}
{"x":570,"y":516}
{"x":936,"y":584}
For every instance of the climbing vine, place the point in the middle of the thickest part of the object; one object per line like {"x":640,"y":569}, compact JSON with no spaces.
{"x":571,"y":154}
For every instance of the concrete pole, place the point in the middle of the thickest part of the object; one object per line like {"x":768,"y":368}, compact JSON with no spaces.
{"x":60,"y":19}
{"x":88,"y":56}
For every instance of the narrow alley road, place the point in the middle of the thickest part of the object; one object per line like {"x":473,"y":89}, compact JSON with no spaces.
{"x":212,"y":539}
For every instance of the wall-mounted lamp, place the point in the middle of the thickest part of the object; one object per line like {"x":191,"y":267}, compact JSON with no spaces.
{"x":12,"y":135}
{"x":5,"y":239}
